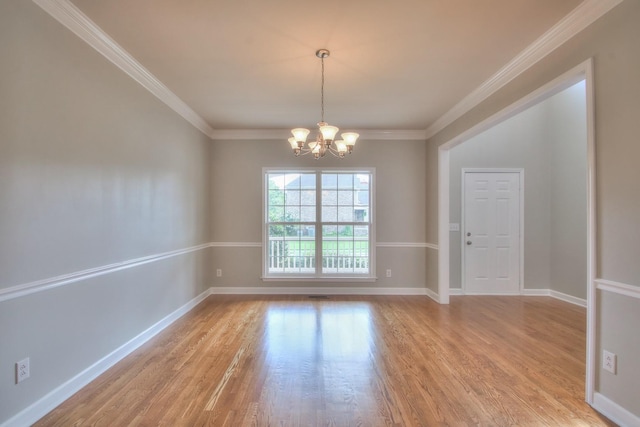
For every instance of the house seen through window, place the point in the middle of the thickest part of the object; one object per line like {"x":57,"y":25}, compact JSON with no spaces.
{"x":318,"y":223}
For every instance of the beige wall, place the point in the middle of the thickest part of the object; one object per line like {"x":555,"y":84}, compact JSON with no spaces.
{"x":236,"y":195}
{"x":567,"y":137}
{"x":612,"y":42}
{"x":549,"y":142}
{"x":94,"y":171}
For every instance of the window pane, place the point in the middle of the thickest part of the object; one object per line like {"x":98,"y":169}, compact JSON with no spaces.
{"x":308,"y":214}
{"x":329,"y":181}
{"x":329,"y":213}
{"x":345,"y":214}
{"x":361,"y":181}
{"x":308,"y":197}
{"x":360,"y":215}
{"x":308,"y":181}
{"x":345,"y":181}
{"x":292,"y":214}
{"x":292,"y":181}
{"x":343,"y":252}
{"x":276,"y":213}
{"x":345,"y":197}
{"x":361,"y":231}
{"x":329,"y":231}
{"x":361,"y":198}
{"x":276,"y":180}
{"x":292,"y":197}
{"x":329,"y":197}
{"x":291,"y":253}
{"x":276,"y":230}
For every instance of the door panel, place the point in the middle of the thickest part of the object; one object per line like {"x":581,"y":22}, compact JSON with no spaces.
{"x":491,"y":232}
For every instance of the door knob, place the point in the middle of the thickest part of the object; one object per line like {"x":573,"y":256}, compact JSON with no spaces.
{"x":468,"y":234}
{"x":468,"y":242}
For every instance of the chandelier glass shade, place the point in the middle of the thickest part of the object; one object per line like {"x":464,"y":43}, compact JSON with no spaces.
{"x":325,"y":141}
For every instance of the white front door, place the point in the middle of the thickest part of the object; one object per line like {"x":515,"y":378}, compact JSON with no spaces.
{"x":491,"y":232}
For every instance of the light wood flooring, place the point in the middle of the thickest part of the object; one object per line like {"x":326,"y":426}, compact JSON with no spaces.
{"x":350,"y":361}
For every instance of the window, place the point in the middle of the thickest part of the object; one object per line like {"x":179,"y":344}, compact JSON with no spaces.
{"x":318,"y":223}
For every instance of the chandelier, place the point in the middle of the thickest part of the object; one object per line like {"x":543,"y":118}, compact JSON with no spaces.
{"x":325,"y":139}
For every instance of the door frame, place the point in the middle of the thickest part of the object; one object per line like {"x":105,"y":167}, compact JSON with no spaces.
{"x":582,"y":71}
{"x":520,"y":172}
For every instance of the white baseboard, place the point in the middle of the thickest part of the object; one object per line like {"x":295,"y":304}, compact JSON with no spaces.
{"x":568,"y":298}
{"x":433,"y":295}
{"x":534,"y":292}
{"x":40,"y":408}
{"x":291,"y":290}
{"x":557,"y":295}
{"x":614,"y":412}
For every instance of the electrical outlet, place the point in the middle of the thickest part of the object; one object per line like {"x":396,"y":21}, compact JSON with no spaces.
{"x":388,"y":272}
{"x":609,"y":361}
{"x":22,"y":370}
{"x":219,"y":272}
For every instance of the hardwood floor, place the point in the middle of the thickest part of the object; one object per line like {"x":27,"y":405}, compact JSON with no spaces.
{"x":347,"y":361}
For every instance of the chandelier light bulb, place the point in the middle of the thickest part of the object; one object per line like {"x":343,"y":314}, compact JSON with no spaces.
{"x":328,"y":132}
{"x":350,"y":138}
{"x":300,"y":134}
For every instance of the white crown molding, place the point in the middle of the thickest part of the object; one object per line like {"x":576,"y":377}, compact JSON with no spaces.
{"x":54,"y":282}
{"x":580,"y":18}
{"x":72,"y":18}
{"x":61,"y":393}
{"x":284,"y":134}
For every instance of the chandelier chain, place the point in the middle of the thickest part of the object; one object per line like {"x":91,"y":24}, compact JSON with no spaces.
{"x":322,"y":91}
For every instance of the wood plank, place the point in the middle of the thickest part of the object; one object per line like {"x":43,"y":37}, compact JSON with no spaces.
{"x":350,"y":360}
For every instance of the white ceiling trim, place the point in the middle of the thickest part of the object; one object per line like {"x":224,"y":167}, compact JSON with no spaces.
{"x":284,"y":134}
{"x":580,"y":18}
{"x":71,"y":17}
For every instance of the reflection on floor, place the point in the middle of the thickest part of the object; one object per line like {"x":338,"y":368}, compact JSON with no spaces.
{"x":372,"y":361}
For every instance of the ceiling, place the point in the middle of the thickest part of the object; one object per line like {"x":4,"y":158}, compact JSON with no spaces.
{"x":251,"y":64}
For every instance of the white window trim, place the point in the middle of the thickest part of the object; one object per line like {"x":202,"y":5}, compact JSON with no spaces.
{"x":319,"y":277}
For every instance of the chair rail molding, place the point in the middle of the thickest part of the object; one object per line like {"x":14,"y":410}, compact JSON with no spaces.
{"x":66,"y":279}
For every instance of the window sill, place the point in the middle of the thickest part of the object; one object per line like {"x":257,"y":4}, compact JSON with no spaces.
{"x":349,"y":279}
